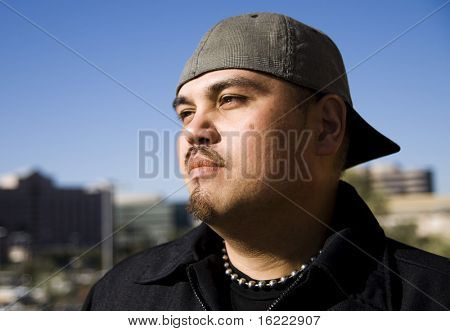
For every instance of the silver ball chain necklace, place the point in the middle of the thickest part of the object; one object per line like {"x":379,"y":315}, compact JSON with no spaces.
{"x":260,"y":284}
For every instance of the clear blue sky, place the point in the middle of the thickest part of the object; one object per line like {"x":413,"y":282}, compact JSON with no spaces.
{"x":61,"y":115}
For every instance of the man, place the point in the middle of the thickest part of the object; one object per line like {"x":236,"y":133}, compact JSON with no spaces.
{"x":268,"y":128}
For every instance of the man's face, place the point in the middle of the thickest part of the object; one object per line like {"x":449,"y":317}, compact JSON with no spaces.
{"x":233,"y":141}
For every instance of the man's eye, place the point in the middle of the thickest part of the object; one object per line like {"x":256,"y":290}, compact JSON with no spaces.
{"x":231,"y":101}
{"x":182,"y":115}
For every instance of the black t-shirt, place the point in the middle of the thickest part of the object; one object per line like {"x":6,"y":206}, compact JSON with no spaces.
{"x":244,"y":298}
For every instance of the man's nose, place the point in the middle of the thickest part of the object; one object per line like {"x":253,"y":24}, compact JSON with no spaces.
{"x":201,"y":130}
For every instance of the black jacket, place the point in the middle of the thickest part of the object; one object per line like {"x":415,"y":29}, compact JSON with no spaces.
{"x":359,"y":269}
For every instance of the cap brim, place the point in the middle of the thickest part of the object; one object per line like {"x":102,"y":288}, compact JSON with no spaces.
{"x":365,"y":143}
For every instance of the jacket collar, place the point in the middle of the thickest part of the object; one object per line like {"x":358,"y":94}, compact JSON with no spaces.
{"x":350,"y":255}
{"x":166,"y":259}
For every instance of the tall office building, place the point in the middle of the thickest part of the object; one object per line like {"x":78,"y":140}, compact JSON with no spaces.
{"x":39,"y":218}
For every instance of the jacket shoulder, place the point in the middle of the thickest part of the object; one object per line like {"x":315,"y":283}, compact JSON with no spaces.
{"x":419,"y":279}
{"x":141,"y":268}
{"x":418,"y":259}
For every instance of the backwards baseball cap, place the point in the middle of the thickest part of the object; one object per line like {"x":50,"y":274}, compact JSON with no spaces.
{"x":283,"y":47}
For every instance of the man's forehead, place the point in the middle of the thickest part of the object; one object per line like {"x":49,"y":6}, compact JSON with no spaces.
{"x":221,"y":79}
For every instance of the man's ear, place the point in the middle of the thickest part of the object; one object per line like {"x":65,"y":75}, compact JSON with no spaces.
{"x":332,"y":113}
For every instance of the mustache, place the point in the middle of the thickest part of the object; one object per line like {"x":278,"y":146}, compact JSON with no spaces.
{"x":207,"y":152}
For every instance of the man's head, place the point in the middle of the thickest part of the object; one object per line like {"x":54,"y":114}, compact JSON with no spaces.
{"x":265,"y":100}
{"x":244,"y":128}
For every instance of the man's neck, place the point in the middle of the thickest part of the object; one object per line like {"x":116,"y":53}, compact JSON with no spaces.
{"x":272,"y":245}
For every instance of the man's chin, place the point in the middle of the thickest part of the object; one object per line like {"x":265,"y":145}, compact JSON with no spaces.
{"x":200,"y":205}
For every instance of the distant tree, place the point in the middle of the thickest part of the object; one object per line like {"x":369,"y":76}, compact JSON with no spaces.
{"x":360,"y":179}
{"x":407,"y":233}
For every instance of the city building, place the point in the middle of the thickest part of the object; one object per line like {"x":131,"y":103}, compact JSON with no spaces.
{"x":38,"y":218}
{"x":391,"y":179}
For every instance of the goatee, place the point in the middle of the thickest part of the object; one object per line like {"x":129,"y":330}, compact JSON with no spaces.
{"x":200,"y":205}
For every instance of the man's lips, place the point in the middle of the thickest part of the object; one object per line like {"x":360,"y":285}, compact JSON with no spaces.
{"x":198,"y":162}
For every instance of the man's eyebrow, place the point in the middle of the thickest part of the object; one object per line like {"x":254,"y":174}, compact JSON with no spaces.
{"x":180,"y":100}
{"x":237,"y":82}
{"x":221,"y":85}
